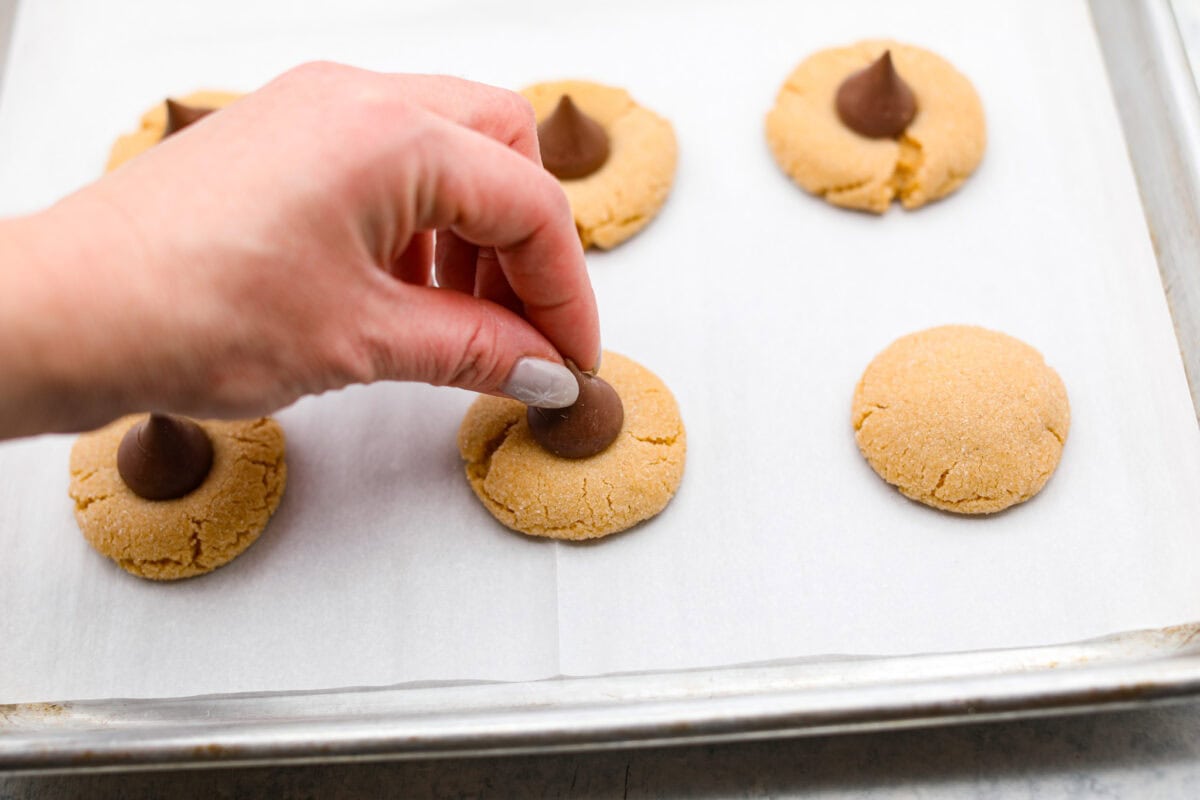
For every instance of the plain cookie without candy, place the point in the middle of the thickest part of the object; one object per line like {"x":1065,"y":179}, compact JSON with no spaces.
{"x":962,"y":418}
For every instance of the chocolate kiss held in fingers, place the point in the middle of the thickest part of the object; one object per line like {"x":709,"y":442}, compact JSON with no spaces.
{"x":584,"y":429}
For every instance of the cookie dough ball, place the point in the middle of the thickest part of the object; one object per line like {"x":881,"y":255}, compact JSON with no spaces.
{"x":937,"y":152}
{"x":210,"y":526}
{"x":154,"y":124}
{"x":962,"y":418}
{"x":540,"y":494}
{"x":619,"y":199}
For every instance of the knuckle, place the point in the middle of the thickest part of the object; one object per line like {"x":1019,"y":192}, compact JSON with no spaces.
{"x":352,"y":359}
{"x":502,"y":114}
{"x":479,"y":363}
{"x":522,"y":109}
{"x":422,"y":133}
{"x":555,"y":198}
{"x":313,"y":70}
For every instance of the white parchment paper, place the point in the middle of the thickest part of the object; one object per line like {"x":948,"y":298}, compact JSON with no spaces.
{"x":758,"y":305}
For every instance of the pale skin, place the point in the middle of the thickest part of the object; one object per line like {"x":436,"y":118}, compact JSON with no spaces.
{"x":286,"y":246}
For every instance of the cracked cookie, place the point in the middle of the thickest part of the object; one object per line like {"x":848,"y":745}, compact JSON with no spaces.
{"x":531,"y":491}
{"x":157,"y":121}
{"x":626,"y":191}
{"x":962,"y":418}
{"x":190,"y":535}
{"x":931,"y":158}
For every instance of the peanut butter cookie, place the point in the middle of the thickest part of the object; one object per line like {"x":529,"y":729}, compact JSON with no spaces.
{"x":534,"y":492}
{"x":931,"y":158}
{"x":619,"y":198}
{"x":190,"y":535}
{"x":962,"y":418}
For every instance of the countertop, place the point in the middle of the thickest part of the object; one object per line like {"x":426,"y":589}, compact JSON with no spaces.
{"x":1145,"y":754}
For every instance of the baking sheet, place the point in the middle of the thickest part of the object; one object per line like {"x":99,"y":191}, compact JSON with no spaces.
{"x":758,"y":305}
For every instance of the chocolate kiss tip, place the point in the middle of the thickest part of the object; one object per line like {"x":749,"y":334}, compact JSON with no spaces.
{"x":180,"y":115}
{"x":584,"y":429}
{"x":876,"y":102}
{"x":164,"y":457}
{"x":573,"y":145}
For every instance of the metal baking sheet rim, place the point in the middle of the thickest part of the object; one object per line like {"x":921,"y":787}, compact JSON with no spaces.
{"x":1160,"y":112}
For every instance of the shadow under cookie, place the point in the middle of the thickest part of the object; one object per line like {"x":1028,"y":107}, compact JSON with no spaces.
{"x":531,"y":491}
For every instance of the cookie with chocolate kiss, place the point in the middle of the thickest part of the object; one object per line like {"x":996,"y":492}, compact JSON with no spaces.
{"x":614,"y":158}
{"x":169,"y":498}
{"x":629,"y":476}
{"x":877,"y":122}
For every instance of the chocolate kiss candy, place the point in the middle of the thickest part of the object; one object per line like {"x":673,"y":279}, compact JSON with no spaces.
{"x":583,"y":429}
{"x":164,"y":457}
{"x":876,"y":101}
{"x":573,"y":144}
{"x":179,"y":116}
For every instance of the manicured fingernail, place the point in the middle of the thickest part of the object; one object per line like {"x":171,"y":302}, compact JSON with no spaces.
{"x":541,"y":383}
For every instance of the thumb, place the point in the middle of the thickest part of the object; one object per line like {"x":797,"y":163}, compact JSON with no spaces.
{"x":448,"y":338}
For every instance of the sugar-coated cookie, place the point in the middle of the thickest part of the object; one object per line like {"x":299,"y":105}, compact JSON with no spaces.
{"x":154,"y":124}
{"x":540,"y":494}
{"x":937,"y":152}
{"x":962,"y":418}
{"x":191,"y":535}
{"x":621,"y":197}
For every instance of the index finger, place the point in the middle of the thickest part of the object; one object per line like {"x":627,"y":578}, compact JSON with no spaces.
{"x":491,"y":196}
{"x":497,"y":113}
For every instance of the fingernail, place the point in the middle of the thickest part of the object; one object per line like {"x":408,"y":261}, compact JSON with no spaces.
{"x":541,"y":383}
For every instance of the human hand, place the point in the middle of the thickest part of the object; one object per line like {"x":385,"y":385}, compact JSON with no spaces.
{"x":285,"y":246}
